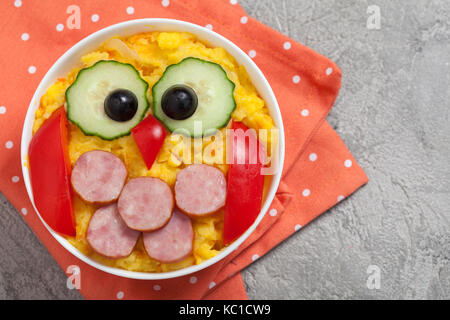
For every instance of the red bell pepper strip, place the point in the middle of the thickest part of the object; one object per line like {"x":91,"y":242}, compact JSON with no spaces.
{"x":245,"y":184}
{"x":149,"y":136}
{"x":50,"y":173}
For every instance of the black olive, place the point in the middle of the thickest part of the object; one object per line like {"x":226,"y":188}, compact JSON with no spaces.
{"x":121,"y":105}
{"x":179,"y":102}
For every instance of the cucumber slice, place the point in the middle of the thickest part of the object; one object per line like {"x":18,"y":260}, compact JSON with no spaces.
{"x":85,"y":98}
{"x":214,"y":92}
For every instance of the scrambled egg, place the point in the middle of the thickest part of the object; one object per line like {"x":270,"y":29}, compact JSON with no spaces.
{"x":150,"y":54}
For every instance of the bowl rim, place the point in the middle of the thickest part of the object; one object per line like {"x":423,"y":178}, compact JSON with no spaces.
{"x":200,"y":32}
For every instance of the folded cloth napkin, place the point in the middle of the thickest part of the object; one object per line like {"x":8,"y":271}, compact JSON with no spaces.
{"x":319,"y":171}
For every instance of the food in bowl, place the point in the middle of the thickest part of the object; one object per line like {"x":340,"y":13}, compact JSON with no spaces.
{"x":120,"y":167}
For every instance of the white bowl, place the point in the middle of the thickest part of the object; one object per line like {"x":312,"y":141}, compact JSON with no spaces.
{"x":72,"y":58}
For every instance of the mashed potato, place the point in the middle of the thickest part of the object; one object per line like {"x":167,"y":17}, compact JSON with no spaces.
{"x":150,"y":54}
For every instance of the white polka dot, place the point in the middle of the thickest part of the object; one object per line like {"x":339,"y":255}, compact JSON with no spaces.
{"x":287,"y":45}
{"x":130,"y":10}
{"x":233,"y":2}
{"x":59,"y":27}
{"x":348,"y":163}
{"x":156,"y":287}
{"x":297,"y":227}
{"x":252,"y":53}
{"x":306,"y":192}
{"x":273,"y":212}
{"x":18,"y":3}
{"x":255,"y":257}
{"x":15,"y":179}
{"x":212,"y":284}
{"x":305,"y":112}
{"x":95,"y":17}
{"x":24,"y":211}
{"x":193,"y":280}
{"x":244,"y":19}
{"x":165,"y":3}
{"x":2,"y":110}
{"x":329,"y":71}
{"x":25,"y":36}
{"x":296,"y":79}
{"x":9,"y":144}
{"x":120,"y":295}
{"x":209,"y":26}
{"x":340,"y":198}
{"x":32,"y":69}
{"x":313,"y":157}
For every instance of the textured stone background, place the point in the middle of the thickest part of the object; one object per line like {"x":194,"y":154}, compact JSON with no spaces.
{"x":393,"y":114}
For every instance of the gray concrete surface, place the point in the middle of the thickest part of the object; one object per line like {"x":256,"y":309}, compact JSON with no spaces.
{"x":393,"y":114}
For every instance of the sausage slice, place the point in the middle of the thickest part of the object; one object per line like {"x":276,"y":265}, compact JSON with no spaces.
{"x":200,"y":190}
{"x":108,"y":235}
{"x":98,"y":176}
{"x":173,"y":242}
{"x":145,"y":203}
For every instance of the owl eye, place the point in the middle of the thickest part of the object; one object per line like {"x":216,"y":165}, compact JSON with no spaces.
{"x":107,"y":100}
{"x":121,"y":105}
{"x":179,"y":102}
{"x":194,"y":91}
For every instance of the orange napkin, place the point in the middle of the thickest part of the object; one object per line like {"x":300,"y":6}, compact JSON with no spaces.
{"x":319,"y":170}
